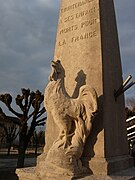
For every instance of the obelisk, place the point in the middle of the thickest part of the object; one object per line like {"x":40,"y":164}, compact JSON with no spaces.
{"x":87,"y":45}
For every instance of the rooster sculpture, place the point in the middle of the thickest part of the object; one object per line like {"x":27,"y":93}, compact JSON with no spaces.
{"x":73,"y":116}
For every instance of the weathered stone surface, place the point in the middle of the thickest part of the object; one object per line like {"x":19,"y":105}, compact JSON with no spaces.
{"x":87,"y":45}
{"x":29,"y":174}
{"x":73,"y":117}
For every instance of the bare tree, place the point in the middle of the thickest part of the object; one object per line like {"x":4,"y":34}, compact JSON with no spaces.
{"x":8,"y":129}
{"x":10,"y":134}
{"x":30,"y":104}
{"x":130,"y":109}
{"x":37,"y":139}
{"x":130,"y":102}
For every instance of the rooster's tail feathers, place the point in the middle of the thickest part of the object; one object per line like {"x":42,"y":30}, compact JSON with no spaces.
{"x":88,"y":97}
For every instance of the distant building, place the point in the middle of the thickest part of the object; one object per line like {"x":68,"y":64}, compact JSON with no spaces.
{"x":131,"y":134}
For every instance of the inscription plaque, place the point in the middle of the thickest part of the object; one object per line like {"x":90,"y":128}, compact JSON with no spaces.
{"x":79,"y":25}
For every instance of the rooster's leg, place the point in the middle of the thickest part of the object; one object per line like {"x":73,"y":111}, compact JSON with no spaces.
{"x":67,"y":139}
{"x":63,"y":139}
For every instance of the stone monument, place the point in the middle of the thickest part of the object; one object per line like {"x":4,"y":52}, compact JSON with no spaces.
{"x":88,"y":49}
{"x":87,"y":45}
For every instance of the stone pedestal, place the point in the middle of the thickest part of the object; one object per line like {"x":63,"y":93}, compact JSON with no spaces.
{"x":29,"y":174}
{"x":103,"y":166}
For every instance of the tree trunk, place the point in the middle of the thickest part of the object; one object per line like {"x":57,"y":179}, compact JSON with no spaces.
{"x":21,"y":156}
{"x":23,"y":143}
{"x":36,"y":148}
{"x":9,"y":148}
{"x":21,"y":149}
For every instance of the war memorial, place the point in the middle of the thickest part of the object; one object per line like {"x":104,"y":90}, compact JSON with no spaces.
{"x":86,"y":129}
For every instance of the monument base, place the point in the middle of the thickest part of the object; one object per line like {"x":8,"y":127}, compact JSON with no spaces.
{"x":29,"y":174}
{"x":102,"y":166}
{"x":120,"y":168}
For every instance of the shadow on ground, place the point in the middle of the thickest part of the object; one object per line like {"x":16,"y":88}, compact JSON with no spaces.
{"x":8,"y":166}
{"x":8,"y":175}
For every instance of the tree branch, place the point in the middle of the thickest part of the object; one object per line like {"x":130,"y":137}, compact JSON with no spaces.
{"x":5,"y":128}
{"x":42,"y":111}
{"x":41,"y":124}
{"x":41,"y":120}
{"x":19,"y":100}
{"x":30,"y":115}
{"x":14,"y":112}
